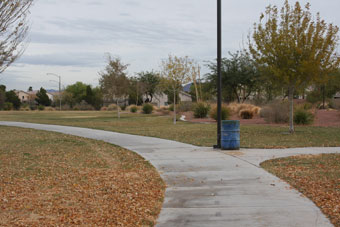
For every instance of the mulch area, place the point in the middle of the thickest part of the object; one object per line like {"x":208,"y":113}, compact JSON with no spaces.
{"x":323,"y":118}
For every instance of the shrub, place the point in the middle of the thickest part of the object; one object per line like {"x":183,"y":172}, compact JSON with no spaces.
{"x":49,"y":108}
{"x":276,"y":112}
{"x":83,"y":106}
{"x":184,"y":106}
{"x":147,"y":108}
{"x":123,"y":107}
{"x":25,"y":108}
{"x":8,"y":106}
{"x":303,"y":117}
{"x":66,"y":107}
{"x":307,"y":106}
{"x":112,"y":107}
{"x":104,"y":108}
{"x":225,"y":113}
{"x":41,"y":107}
{"x":246,"y":114}
{"x":133,"y":109}
{"x":201,"y":110}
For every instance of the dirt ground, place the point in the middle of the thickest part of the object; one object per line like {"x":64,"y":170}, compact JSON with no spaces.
{"x":323,"y":118}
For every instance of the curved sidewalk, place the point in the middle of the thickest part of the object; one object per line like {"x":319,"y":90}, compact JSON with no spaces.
{"x":211,"y":188}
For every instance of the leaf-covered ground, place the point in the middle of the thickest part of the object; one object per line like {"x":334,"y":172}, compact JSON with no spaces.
{"x":50,"y":179}
{"x":317,"y":177}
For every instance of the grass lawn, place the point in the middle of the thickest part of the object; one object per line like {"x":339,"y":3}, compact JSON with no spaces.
{"x":50,"y":179}
{"x":252,"y":136}
{"x":317,"y":177}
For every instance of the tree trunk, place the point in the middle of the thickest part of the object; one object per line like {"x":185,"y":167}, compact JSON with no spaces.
{"x":291,"y":109}
{"x":118,"y":113}
{"x":174,"y":107}
{"x":196,"y":90}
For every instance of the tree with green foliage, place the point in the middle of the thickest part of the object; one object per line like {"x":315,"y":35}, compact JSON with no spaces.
{"x":77,"y":92}
{"x":13,"y":30}
{"x":89,"y":95}
{"x":295,"y":47}
{"x":42,"y":98}
{"x":240,"y":77}
{"x":175,"y":72}
{"x":97,"y":98}
{"x":136,"y":91}
{"x":2,"y":96}
{"x":11,"y":97}
{"x":113,"y":81}
{"x":150,"y":81}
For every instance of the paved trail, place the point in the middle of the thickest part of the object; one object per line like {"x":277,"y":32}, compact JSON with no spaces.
{"x":211,"y":188}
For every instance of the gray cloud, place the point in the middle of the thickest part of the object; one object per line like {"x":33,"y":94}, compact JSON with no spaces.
{"x":66,"y":59}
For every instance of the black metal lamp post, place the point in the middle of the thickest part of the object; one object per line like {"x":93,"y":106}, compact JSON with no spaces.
{"x":219,"y":71}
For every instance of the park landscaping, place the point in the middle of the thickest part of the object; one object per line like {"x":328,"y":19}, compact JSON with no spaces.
{"x":252,"y":135}
{"x":317,"y":177}
{"x":51,"y":179}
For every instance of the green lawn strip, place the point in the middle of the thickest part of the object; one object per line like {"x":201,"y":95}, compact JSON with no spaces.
{"x":252,"y":136}
{"x":53,"y":179}
{"x":317,"y":177}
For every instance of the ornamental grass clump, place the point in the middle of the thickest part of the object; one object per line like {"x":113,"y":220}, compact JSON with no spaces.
{"x":246,"y":114}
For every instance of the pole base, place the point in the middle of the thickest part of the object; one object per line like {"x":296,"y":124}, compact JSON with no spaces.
{"x":217,"y":146}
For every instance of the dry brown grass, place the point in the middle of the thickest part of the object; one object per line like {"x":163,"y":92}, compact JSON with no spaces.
{"x":237,"y":108}
{"x":50,"y":179}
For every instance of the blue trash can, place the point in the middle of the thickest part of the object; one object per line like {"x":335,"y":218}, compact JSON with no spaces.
{"x":230,"y":135}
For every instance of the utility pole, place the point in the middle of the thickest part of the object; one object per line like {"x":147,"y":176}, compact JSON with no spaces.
{"x":59,"y":77}
{"x":219,"y":72}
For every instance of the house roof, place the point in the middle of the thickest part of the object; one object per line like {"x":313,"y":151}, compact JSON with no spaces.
{"x":186,"y":88}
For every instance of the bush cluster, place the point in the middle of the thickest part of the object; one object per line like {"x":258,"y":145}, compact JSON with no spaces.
{"x":201,"y":110}
{"x":147,"y":108}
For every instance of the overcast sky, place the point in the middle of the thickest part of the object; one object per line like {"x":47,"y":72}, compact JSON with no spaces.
{"x":70,"y":38}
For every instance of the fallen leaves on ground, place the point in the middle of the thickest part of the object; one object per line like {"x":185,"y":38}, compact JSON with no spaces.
{"x":49,"y":179}
{"x":317,"y":177}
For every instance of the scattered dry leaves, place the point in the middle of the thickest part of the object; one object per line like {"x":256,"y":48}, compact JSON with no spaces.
{"x":49,"y":179}
{"x":317,"y":177}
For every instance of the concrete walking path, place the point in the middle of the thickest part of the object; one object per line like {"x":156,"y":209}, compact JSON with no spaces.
{"x":211,"y":188}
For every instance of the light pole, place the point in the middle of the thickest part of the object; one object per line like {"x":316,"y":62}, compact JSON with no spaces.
{"x":59,"y":77}
{"x":219,"y":71}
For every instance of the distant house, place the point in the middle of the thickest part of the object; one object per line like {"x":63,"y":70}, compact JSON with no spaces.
{"x":23,"y":96}
{"x":162,"y":99}
{"x":337,"y":95}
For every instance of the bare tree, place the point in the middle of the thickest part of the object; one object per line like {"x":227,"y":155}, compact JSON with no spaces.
{"x":13,"y":30}
{"x":114,"y":81}
{"x":175,"y":72}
